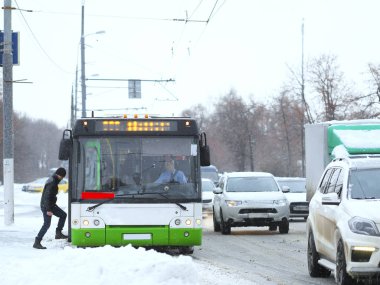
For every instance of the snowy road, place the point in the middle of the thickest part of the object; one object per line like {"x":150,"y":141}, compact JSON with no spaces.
{"x":63,"y":264}
{"x":254,"y":251}
{"x":248,"y":256}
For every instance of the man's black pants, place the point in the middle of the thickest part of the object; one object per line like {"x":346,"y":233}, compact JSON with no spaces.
{"x":58,"y":212}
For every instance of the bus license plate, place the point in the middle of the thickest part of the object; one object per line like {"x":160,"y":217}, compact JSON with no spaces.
{"x":137,"y":236}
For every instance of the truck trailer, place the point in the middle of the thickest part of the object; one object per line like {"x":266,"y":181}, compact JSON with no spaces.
{"x":358,"y":137}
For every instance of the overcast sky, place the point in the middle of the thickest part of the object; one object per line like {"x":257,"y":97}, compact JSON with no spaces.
{"x":246,"y":45}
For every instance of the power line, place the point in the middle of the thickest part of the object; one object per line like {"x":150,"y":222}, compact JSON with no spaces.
{"x":38,"y":43}
{"x":217,"y":11}
{"x":213,"y":8}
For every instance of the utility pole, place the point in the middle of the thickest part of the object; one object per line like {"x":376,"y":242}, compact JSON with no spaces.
{"x":8,"y":166}
{"x":83,"y":63}
{"x":303,"y":107}
{"x":72,"y":107}
{"x":76,"y":94}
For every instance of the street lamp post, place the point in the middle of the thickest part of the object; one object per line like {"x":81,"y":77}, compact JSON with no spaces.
{"x":83,"y":72}
{"x":83,"y":63}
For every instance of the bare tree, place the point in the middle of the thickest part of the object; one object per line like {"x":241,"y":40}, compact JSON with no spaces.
{"x":198,"y":112}
{"x":218,"y":150}
{"x":296,"y":85}
{"x":288,"y":115}
{"x":328,"y":82}
{"x":36,"y":146}
{"x":368,"y":104}
{"x":231,"y":119}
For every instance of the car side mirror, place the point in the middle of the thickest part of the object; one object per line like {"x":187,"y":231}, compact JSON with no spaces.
{"x":218,"y":190}
{"x":331,"y":199}
{"x":285,"y":189}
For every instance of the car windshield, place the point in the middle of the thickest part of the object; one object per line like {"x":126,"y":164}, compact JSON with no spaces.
{"x":207,"y":186}
{"x":365,"y":184}
{"x":294,"y":186}
{"x":41,"y":181}
{"x":251,"y":184}
{"x":210,"y":172}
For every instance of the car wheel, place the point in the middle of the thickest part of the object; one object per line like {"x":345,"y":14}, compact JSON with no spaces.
{"x":216,"y":224}
{"x":273,"y":228}
{"x":342,"y":278}
{"x":224,"y":227}
{"x":284,"y":226}
{"x":315,"y":270}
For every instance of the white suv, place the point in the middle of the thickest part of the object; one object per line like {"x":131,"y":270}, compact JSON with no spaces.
{"x":250,"y":199}
{"x":344,"y":221}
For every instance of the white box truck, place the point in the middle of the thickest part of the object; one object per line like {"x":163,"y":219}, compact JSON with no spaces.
{"x":357,"y":136}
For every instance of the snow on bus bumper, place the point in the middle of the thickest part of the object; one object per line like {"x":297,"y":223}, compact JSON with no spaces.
{"x":138,"y":236}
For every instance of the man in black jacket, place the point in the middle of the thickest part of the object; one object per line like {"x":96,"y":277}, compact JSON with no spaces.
{"x":50,"y":208}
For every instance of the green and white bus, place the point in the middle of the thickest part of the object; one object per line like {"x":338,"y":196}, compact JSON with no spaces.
{"x":114,"y":196}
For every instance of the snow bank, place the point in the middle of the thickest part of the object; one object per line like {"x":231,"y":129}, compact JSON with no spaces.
{"x":62,"y":264}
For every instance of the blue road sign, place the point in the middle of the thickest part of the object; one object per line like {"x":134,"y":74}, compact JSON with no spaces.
{"x":15,"y":47}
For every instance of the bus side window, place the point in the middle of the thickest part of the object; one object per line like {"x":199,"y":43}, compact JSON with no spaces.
{"x":90,"y":175}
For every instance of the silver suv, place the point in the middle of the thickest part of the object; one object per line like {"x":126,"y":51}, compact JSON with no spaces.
{"x":343,"y":226}
{"x":249,"y":199}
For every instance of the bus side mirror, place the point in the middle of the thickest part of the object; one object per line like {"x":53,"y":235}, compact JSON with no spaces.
{"x":65,"y":145}
{"x":204,"y":150}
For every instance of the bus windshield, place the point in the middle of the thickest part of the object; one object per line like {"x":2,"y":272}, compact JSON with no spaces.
{"x":138,"y":167}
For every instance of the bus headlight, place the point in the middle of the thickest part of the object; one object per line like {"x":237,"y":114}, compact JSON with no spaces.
{"x":188,"y":222}
{"x":198,"y":221}
{"x":96,"y":222}
{"x":177,"y":222}
{"x":86,"y":222}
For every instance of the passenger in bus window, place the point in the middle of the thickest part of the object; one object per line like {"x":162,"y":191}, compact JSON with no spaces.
{"x":171,"y":175}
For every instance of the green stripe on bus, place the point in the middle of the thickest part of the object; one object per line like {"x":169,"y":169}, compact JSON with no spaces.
{"x":147,"y":236}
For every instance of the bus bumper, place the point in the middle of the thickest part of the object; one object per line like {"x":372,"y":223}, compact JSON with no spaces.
{"x":136,"y":236}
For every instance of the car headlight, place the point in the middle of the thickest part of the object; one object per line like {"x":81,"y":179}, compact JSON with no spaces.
{"x":233,"y":203}
{"x":281,"y":202}
{"x":363,"y":226}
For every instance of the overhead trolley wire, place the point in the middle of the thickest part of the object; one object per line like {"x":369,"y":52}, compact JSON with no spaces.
{"x":37,"y":41}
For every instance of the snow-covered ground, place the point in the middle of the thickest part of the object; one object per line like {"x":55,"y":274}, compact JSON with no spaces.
{"x":62,"y":263}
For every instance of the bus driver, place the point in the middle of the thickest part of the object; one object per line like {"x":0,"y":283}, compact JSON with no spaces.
{"x":171,"y":175}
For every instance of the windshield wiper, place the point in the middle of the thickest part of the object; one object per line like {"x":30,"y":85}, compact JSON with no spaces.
{"x":365,"y":198}
{"x":167,"y":198}
{"x":92,"y":208}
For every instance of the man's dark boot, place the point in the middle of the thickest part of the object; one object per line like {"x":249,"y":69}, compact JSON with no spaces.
{"x":60,"y":235}
{"x":37,"y":244}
